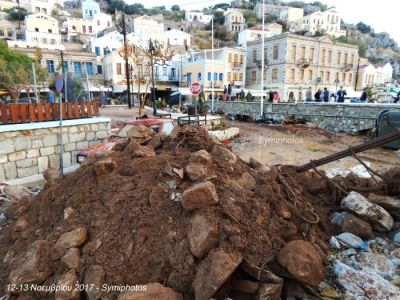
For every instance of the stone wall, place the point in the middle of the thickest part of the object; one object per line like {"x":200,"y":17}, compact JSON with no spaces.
{"x":347,"y":117}
{"x":29,"y":149}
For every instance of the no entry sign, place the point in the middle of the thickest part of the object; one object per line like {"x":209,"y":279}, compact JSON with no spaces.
{"x":59,"y":84}
{"x":195,"y":88}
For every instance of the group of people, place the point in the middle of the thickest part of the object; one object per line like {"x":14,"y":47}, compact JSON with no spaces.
{"x":325,"y":95}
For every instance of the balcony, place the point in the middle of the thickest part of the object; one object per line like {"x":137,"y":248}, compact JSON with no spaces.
{"x":237,"y":83}
{"x":259,"y":61}
{"x":304,"y":62}
{"x":348,"y":67}
{"x":237,"y":65}
{"x":217,"y":84}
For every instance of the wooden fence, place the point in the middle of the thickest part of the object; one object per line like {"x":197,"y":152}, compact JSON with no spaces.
{"x":40,"y":112}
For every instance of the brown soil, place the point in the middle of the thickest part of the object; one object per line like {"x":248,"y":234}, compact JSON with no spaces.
{"x":143,"y":243}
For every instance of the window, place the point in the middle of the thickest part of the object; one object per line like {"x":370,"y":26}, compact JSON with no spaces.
{"x":36,"y":29}
{"x":328,"y":76}
{"x":52,"y":41}
{"x":108,"y":24}
{"x":189,"y":77}
{"x":73,"y":27}
{"x":98,"y":22}
{"x":229,"y":75}
{"x":254,"y":55}
{"x":274,"y":74}
{"x":276,"y":52}
{"x":66,"y":66}
{"x":37,"y":9}
{"x":311,"y":54}
{"x":89,"y":68}
{"x":77,"y":68}
{"x":344,"y":78}
{"x":1,"y":32}
{"x":345,"y":58}
{"x":209,"y":76}
{"x":221,"y":77}
{"x":321,"y":76}
{"x":301,"y":74}
{"x":83,"y":28}
{"x":230,"y":58}
{"x":44,"y":40}
{"x":291,"y":75}
{"x":236,"y":59}
{"x":215,"y":76}
{"x":235,"y":76}
{"x":339,"y":58}
{"x":350,"y":78}
{"x":329,"y":56}
{"x":253,"y":75}
{"x":323,"y":56}
{"x":199,"y":76}
{"x":293,"y":52}
{"x":90,"y":29}
{"x":352,"y":59}
{"x":50,"y":66}
{"x":241,"y":76}
{"x":241,"y":59}
{"x":50,"y":31}
{"x":164,"y":71}
{"x":119,"y":69}
{"x":97,"y":50}
{"x":310,"y":75}
{"x":106,"y":51}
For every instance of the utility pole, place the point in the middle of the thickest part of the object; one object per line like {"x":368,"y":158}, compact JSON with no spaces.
{"x":128,"y":86}
{"x":61,"y":120}
{"x":212,"y":64}
{"x":262,"y":61}
{"x":358,"y":69}
{"x":153,"y":92}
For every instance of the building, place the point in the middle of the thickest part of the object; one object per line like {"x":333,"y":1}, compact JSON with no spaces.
{"x":228,"y":67}
{"x":41,"y":31}
{"x":175,"y":37}
{"x":80,"y":26}
{"x":234,"y":20}
{"x":105,"y":44}
{"x":378,"y":75}
{"x":5,"y":4}
{"x":294,"y":62}
{"x":384,"y":73}
{"x":196,"y":16}
{"x":9,"y":30}
{"x":90,"y":9}
{"x":291,"y":15}
{"x":146,"y":28}
{"x":256,"y":32}
{"x":43,"y":6}
{"x":325,"y":22}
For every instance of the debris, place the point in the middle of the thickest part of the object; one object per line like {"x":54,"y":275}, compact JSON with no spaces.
{"x":258,"y":166}
{"x":68,"y":283}
{"x":139,"y":132}
{"x":270,"y":291}
{"x":104,"y":167}
{"x":246,"y":286}
{"x":71,"y":258}
{"x":52,"y":175}
{"x":374,"y":214}
{"x":334,"y":243}
{"x":352,"y":240}
{"x":68,"y":240}
{"x":94,"y":277}
{"x":375,"y":263}
{"x":200,"y":195}
{"x":223,"y":154}
{"x":329,"y":292}
{"x":16,"y":192}
{"x":153,"y":291}
{"x":348,"y":222}
{"x":387,"y":202}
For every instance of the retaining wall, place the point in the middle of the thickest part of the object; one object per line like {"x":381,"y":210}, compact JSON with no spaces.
{"x":337,"y":117}
{"x":29,"y":149}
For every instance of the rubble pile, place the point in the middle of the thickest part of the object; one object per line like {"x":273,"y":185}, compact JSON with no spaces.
{"x":186,"y":217}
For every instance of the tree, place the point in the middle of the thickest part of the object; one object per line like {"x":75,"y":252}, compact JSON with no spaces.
{"x":134,"y":9}
{"x":175,"y":8}
{"x":364,"y":28}
{"x":250,"y":17}
{"x":362,"y":48}
{"x":17,"y":13}
{"x":74,"y":87}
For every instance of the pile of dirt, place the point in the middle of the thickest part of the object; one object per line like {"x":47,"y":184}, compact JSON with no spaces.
{"x":182,"y":211}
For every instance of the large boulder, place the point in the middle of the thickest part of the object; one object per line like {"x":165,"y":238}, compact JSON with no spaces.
{"x":302,"y":261}
{"x":214,"y":271}
{"x":222,"y":154}
{"x":203,"y":233}
{"x":270,"y":291}
{"x":153,"y":291}
{"x":199,"y":196}
{"x":94,"y":277}
{"x":374,"y":214}
{"x":104,"y":166}
{"x":67,"y":284}
{"x":390,"y":203}
{"x":375,"y":263}
{"x":198,"y":166}
{"x":347,"y":222}
{"x":71,"y":239}
{"x":71,"y":258}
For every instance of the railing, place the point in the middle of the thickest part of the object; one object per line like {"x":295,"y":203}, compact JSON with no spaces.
{"x":40,"y":112}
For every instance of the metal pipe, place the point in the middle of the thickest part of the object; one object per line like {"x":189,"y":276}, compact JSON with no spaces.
{"x":262,"y":61}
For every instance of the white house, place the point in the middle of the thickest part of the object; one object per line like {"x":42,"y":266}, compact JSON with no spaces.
{"x":92,"y":26}
{"x":90,"y":9}
{"x":106,"y":43}
{"x":146,"y":28}
{"x":256,"y":32}
{"x":177,"y":37}
{"x":234,"y":20}
{"x":196,"y":16}
{"x":43,"y":6}
{"x":327,"y":22}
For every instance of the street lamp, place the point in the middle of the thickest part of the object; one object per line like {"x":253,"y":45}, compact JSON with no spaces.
{"x":153,"y":92}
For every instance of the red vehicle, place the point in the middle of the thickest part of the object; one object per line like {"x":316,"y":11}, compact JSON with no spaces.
{"x":161,"y":126}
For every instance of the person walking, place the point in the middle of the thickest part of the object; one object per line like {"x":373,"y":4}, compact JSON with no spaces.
{"x":317,"y":95}
{"x":364,"y":95}
{"x":326,"y":95}
{"x":340,"y":95}
{"x":225,"y":93}
{"x":277,"y":97}
{"x":309,"y":95}
{"x":333,"y":98}
{"x":229,"y":92}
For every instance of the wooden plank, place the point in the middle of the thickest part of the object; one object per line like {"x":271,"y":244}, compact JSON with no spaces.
{"x":89,"y":108}
{"x":40,"y":111}
{"x":69,"y":110}
{"x":14,"y":108}
{"x":83,"y":111}
{"x":32,"y":113}
{"x":4,"y":113}
{"x":48,"y":112}
{"x":64,"y":113}
{"x":95,"y":108}
{"x":54,"y":108}
{"x":76,"y":110}
{"x":24,"y":112}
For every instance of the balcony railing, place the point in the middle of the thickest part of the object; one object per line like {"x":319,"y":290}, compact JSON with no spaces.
{"x":348,"y":67}
{"x":304,"y":62}
{"x":237,"y":64}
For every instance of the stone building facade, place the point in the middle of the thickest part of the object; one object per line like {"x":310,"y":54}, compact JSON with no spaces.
{"x":294,"y":62}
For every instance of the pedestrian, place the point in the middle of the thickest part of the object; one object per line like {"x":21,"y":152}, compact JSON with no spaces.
{"x":340,"y":95}
{"x":364,"y":95}
{"x":326,"y":95}
{"x":270,"y":96}
{"x":103,"y":100}
{"x":50,"y":97}
{"x":333,"y":98}
{"x":241,"y":94}
{"x":277,"y":97}
{"x":317,"y":95}
{"x":225,"y":93}
{"x":397,"y":97}
{"x":229,"y":92}
{"x":309,"y":95}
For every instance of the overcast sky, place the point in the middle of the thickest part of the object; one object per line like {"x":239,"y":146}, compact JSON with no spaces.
{"x":380,"y":14}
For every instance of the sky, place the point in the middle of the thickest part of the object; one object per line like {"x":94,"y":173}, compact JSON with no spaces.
{"x":382,"y":15}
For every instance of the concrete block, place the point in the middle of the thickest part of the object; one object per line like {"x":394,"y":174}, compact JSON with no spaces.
{"x":101,"y":135}
{"x":17,"y":156}
{"x":84,"y":128}
{"x":104,"y":126}
{"x":69,"y":147}
{"x":43,"y":164}
{"x":26,"y":163}
{"x":50,"y":140}
{"x":77,"y":137}
{"x":2,"y":174}
{"x":10,"y":170}
{"x":32,"y":153}
{"x":74,"y":154}
{"x":54,"y":161}
{"x":8,"y":134}
{"x":42,"y":131}
{"x":22,"y":143}
{"x":37,"y":144}
{"x":82,"y":145}
{"x":3,"y":159}
{"x":25,"y":172}
{"x":94,"y":127}
{"x":57,"y":149}
{"x":67,"y":160}
{"x":73,"y":129}
{"x":47,"y":151}
{"x":6,"y":147}
{"x":90,"y":136}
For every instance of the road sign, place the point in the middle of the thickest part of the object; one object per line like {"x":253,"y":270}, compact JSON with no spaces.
{"x":195,"y":88}
{"x":59,"y":84}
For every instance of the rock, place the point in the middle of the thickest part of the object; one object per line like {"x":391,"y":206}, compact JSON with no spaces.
{"x":21,"y":224}
{"x":213,"y":272}
{"x":246,"y":286}
{"x":67,"y":212}
{"x":104,"y":166}
{"x":348,"y":252}
{"x":374,"y":214}
{"x":352,"y":240}
{"x":16,"y":192}
{"x":200,"y":157}
{"x":203,"y":233}
{"x":196,"y":171}
{"x":258,"y":166}
{"x":395,"y":253}
{"x":358,"y":284}
{"x":52,"y":175}
{"x":396,"y":237}
{"x":139,"y":132}
{"x":157,"y":197}
{"x":71,"y":258}
{"x":347,"y":222}
{"x":270,"y":291}
{"x":68,"y":240}
{"x":169,"y":178}
{"x":94,"y":276}
{"x":334,"y":243}
{"x":387,"y":202}
{"x":91,"y":247}
{"x":144,"y":151}
{"x":199,"y":195}
{"x":155,"y":142}
{"x":302,"y":261}
{"x":223,"y":154}
{"x":32,"y":267}
{"x":396,"y":282}
{"x":316,"y":186}
{"x":67,"y":287}
{"x":154,"y":291}
{"x":329,"y":292}
{"x":247,"y":181}
{"x":375,"y":263}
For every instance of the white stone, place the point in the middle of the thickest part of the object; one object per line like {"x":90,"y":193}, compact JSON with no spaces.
{"x":378,"y":217}
{"x":47,"y":151}
{"x":94,"y":127}
{"x":375,"y":263}
{"x":69,"y":147}
{"x":90,"y":136}
{"x":76,"y":137}
{"x":3,"y":159}
{"x":22,"y":143}
{"x":101,"y":135}
{"x":73,"y":129}
{"x":10,"y":170}
{"x":82,"y":145}
{"x":43,"y":164}
{"x":2,"y":174}
{"x":50,"y":140}
{"x":32,"y":153}
{"x":25,"y":172}
{"x":6,"y":147}
{"x":17,"y":156}
{"x":25,"y":163}
{"x":37,"y":144}
{"x":66,"y":160}
{"x":54,"y":161}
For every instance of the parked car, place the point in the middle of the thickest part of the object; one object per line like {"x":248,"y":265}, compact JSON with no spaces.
{"x":27,"y":100}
